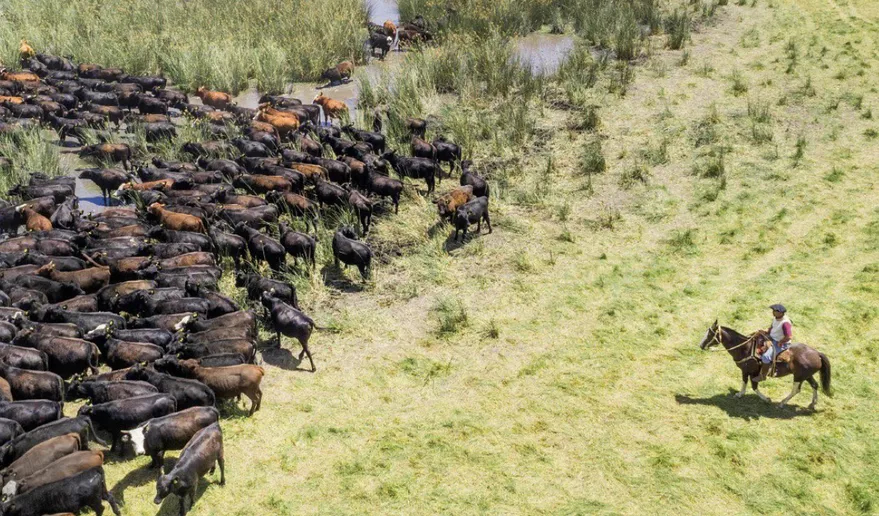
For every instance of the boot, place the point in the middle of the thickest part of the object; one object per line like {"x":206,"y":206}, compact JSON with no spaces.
{"x":764,"y":372}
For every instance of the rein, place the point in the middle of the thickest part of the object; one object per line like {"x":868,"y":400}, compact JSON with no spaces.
{"x":718,"y":336}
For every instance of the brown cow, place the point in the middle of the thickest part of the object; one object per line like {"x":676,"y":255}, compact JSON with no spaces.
{"x":226,"y":382}
{"x":4,"y":99}
{"x":309,"y":171}
{"x":5,"y":390}
{"x":33,"y":221}
{"x":89,"y":280}
{"x":215,"y":99}
{"x":161,"y":185}
{"x":41,"y":456}
{"x":65,"y":467}
{"x":176,"y":221}
{"x":282,"y":124}
{"x":332,"y":108}
{"x":448,"y":203}
{"x":28,"y":78}
{"x":188,"y":260}
{"x":26,"y":51}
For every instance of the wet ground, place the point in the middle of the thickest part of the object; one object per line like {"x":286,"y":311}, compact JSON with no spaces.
{"x":543,"y":52}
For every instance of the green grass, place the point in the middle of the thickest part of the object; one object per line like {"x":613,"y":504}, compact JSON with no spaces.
{"x":552,"y":367}
{"x":28,"y":150}
{"x":194,"y":43}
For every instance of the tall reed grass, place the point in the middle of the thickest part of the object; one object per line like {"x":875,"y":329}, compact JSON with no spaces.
{"x":193,"y":42}
{"x":27,"y":151}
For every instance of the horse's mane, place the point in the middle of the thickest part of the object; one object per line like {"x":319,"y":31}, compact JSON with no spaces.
{"x":733,"y":332}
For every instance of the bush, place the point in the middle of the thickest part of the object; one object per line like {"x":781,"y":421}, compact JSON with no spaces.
{"x":592,"y":159}
{"x":677,"y":25}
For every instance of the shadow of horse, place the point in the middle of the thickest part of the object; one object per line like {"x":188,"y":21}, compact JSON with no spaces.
{"x":749,"y":407}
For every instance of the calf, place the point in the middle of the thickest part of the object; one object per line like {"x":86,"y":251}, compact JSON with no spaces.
{"x":448,"y":203}
{"x":103,"y":392}
{"x":380,"y":42}
{"x":33,"y":385}
{"x":349,"y":251}
{"x":330,"y":193}
{"x":228,"y":244}
{"x":65,"y":467}
{"x":226,"y":382}
{"x":197,"y":459}
{"x":422,"y":149}
{"x":290,"y":322}
{"x":87,"y":489}
{"x":125,"y":414}
{"x":474,"y":212}
{"x":170,"y":432}
{"x":187,"y":393}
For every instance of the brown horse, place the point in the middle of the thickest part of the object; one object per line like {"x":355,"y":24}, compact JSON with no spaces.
{"x":803,"y":364}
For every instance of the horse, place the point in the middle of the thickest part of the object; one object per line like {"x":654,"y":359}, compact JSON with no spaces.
{"x":803,"y":364}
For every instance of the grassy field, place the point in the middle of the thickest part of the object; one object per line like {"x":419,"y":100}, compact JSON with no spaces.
{"x":552,"y":367}
{"x":196,"y":42}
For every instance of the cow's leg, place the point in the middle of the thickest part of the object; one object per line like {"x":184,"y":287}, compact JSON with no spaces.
{"x":308,"y":352}
{"x":487,"y":221}
{"x":793,"y":392}
{"x":744,"y":385}
{"x":814,"y":386}
{"x":279,"y":339}
{"x":222,"y":463}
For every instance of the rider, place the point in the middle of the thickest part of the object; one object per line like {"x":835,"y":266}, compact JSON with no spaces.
{"x":779,"y":333}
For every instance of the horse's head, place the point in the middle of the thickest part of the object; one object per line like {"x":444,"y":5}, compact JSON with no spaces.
{"x":710,"y":338}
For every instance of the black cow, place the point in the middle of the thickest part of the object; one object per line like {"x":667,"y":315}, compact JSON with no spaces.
{"x":9,"y":430}
{"x":350,"y":251}
{"x":262,"y":247}
{"x":103,"y":392}
{"x":419,"y":168}
{"x":468,"y":177}
{"x":187,"y":393}
{"x":17,"y":447}
{"x":31,"y":414}
{"x":381,"y":42}
{"x":198,"y":458}
{"x":33,"y":385}
{"x":24,"y":358}
{"x":298,"y":245}
{"x":290,"y":322}
{"x":87,"y":489}
{"x":125,"y":414}
{"x":474,"y":212}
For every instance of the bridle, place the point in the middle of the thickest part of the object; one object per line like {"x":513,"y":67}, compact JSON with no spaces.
{"x":718,"y":337}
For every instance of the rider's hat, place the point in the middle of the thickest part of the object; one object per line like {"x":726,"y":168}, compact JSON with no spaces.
{"x":778,"y":308}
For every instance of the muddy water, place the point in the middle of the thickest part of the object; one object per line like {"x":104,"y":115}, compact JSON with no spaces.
{"x":544,"y":52}
{"x":383,"y":10}
{"x":90,"y":199}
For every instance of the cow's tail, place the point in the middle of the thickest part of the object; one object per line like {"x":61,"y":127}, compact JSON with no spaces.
{"x":825,"y":374}
{"x":94,"y":435}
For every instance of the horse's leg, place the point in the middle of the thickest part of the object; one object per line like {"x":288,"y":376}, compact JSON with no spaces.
{"x":744,"y":385}
{"x":756,"y":387}
{"x":814,"y":385}
{"x":793,"y":392}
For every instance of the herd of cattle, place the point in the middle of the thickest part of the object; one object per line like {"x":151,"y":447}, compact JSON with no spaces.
{"x":135,"y":287}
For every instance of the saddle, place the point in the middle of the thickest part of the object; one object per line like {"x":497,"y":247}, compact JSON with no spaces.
{"x":780,"y":362}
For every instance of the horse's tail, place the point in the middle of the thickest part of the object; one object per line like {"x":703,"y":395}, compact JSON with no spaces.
{"x":825,"y":374}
